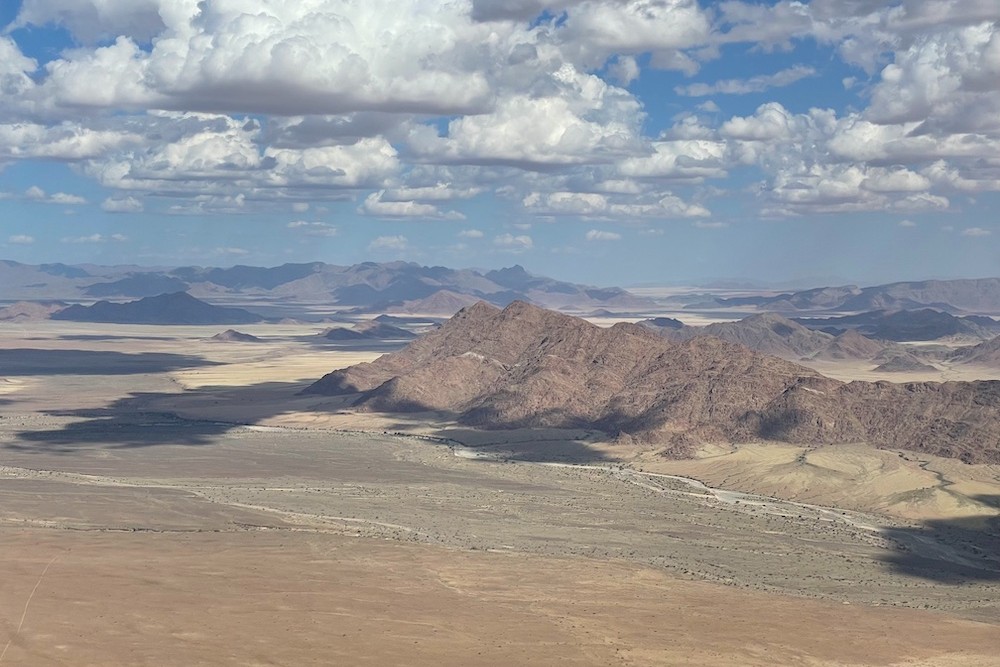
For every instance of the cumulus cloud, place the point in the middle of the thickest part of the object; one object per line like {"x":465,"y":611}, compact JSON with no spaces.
{"x":313,"y":228}
{"x":227,"y":107}
{"x":511,"y":243}
{"x":599,"y":235}
{"x":597,"y":205}
{"x":375,"y":205}
{"x":755,"y":84}
{"x":35,"y":193}
{"x":389,"y":243}
{"x":906,"y":223}
{"x":126,"y":204}
{"x":94,"y":238}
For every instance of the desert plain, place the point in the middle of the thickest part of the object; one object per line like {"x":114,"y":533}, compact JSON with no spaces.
{"x":166,"y":499}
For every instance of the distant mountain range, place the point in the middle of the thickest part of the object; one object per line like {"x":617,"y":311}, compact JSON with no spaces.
{"x":528,"y":367}
{"x":970,"y":295}
{"x":907,"y":325}
{"x":368,"y":287}
{"x":176,"y":308}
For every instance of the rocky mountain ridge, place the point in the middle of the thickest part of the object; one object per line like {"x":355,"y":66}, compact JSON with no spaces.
{"x":528,"y":367}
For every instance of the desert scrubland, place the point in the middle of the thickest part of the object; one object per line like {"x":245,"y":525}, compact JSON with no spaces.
{"x":168,"y":499}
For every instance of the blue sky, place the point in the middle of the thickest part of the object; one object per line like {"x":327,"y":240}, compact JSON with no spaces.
{"x":604,"y":141}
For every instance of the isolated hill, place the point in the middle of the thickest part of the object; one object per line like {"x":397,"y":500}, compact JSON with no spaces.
{"x":851,"y":345}
{"x":30,"y":310}
{"x":175,"y":308}
{"x":984,"y":354}
{"x":234,"y":336}
{"x":974,"y":295}
{"x":659,"y":323}
{"x":138,"y":285}
{"x":903,"y":362}
{"x":528,"y":367}
{"x":902,"y":325}
{"x":370,"y":330}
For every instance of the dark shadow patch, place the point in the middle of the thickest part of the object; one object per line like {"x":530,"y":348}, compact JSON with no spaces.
{"x":139,"y":421}
{"x":118,"y":426}
{"x":30,"y":361}
{"x":956,"y":551}
{"x":111,"y":337}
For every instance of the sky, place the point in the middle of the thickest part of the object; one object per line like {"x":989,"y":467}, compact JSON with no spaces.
{"x":602,"y":141}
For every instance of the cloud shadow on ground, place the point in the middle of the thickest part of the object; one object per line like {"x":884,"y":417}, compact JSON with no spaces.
{"x":953,"y":551}
{"x":29,"y":361}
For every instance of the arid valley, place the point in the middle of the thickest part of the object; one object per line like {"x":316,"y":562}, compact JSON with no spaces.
{"x":170,"y":498}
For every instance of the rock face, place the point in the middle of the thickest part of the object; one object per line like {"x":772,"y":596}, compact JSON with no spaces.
{"x":176,"y":308}
{"x":528,"y":367}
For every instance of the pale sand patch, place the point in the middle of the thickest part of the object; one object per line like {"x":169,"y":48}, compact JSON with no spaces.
{"x":8,"y":386}
{"x":292,"y":366}
{"x":295,"y":598}
{"x":902,"y":484}
{"x":848,"y":370}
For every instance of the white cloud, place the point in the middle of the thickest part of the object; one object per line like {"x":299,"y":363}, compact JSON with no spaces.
{"x":389,"y":243}
{"x":702,"y":224}
{"x":94,"y":238}
{"x":582,"y":120}
{"x":471,"y":234}
{"x":35,"y":193}
{"x":91,"y":20}
{"x":756,"y":84}
{"x":21,"y":239}
{"x":374,"y":205}
{"x":598,"y":235}
{"x":320,"y":229}
{"x":323,"y":100}
{"x":126,"y":204}
{"x":594,"y":205}
{"x":512,"y":243}
{"x":906,"y":223}
{"x":231,"y":251}
{"x":976,"y":231}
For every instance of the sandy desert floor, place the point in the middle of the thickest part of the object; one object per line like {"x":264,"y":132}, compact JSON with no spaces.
{"x":165,"y":499}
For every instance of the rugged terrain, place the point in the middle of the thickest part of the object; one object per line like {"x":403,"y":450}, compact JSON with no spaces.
{"x":527,"y":367}
{"x":970,"y":295}
{"x":160,"y":469}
